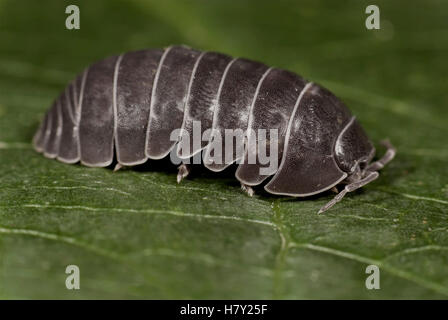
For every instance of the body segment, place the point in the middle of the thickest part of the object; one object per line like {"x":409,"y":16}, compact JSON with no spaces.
{"x":271,"y":109}
{"x":133,"y":85}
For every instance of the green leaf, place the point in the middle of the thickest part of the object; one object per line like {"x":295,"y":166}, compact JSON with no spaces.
{"x":137,"y":234}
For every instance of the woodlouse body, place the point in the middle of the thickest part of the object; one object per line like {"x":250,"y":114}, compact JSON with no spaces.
{"x":132,"y":103}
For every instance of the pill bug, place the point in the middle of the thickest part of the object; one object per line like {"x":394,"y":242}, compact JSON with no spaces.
{"x":128,"y":106}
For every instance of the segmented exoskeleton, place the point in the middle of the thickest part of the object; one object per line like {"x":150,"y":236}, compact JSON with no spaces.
{"x":132,"y":103}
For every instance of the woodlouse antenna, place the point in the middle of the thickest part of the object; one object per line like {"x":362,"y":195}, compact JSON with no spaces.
{"x":388,"y":156}
{"x":368,"y":175}
{"x":349,"y":188}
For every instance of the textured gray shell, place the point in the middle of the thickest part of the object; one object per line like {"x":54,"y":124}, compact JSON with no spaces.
{"x":131,"y":103}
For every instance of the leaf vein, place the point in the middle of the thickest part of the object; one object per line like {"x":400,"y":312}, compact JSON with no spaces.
{"x":154,"y":211}
{"x":387,"y":267}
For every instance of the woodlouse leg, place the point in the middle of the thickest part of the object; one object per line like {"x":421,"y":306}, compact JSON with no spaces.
{"x":349,"y":188}
{"x":184,"y":170}
{"x":388,"y":156}
{"x":247,"y":189}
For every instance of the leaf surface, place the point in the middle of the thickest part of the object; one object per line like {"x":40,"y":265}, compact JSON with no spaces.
{"x":136,"y":233}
